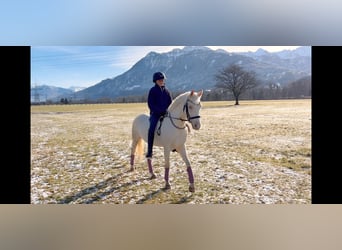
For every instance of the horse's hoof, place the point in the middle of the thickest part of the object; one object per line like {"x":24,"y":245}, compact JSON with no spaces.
{"x":131,"y":169}
{"x":153,"y":176}
{"x":167,"y":186}
{"x":191,"y":189}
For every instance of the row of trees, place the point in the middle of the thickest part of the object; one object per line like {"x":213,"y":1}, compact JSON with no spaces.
{"x":233,"y":87}
{"x":233,"y":83}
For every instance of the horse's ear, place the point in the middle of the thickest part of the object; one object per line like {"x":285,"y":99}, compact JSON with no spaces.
{"x":200,"y":93}
{"x":192,"y":93}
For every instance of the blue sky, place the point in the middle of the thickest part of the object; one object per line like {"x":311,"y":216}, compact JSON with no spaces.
{"x":61,"y":27}
{"x":84,"y":66}
{"x":162,"y":22}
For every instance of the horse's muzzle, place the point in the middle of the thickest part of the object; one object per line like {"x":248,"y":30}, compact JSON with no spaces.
{"x":196,"y":124}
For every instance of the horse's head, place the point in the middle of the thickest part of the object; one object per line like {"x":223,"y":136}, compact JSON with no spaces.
{"x":192,"y":109}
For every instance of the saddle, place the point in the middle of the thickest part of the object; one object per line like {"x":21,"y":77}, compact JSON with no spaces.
{"x":161,"y":119}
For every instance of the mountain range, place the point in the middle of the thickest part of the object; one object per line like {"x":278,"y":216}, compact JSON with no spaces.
{"x":195,"y":67}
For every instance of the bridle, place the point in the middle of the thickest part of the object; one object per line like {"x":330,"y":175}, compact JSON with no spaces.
{"x":186,"y":109}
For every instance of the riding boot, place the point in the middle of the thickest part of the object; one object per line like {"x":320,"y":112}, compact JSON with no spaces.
{"x":150,"y":144}
{"x":151,"y":131}
{"x":149,"y":150}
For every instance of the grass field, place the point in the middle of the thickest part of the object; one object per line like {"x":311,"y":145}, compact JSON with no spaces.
{"x":256,"y":153}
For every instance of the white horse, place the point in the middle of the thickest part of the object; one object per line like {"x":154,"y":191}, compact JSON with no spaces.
{"x":172,"y":133}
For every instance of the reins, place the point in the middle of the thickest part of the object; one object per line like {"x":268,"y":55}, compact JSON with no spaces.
{"x":189,"y":118}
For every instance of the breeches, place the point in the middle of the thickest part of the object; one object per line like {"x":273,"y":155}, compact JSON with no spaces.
{"x":151,"y":130}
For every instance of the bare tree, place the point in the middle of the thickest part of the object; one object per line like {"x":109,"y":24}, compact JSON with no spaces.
{"x":236,"y":80}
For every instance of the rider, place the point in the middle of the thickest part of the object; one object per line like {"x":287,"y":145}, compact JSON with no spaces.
{"x":159,"y":99}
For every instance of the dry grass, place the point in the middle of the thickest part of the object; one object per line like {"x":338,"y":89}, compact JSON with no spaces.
{"x":257,"y":152}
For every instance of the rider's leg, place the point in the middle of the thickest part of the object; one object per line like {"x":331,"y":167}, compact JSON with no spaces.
{"x":151,"y":130}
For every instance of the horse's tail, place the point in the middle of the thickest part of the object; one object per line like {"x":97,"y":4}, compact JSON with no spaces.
{"x":139,"y":150}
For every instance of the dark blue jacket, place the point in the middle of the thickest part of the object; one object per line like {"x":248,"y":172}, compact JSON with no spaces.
{"x":159,"y":99}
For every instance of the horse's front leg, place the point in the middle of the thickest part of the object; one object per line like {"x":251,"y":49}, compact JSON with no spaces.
{"x":167,"y":168}
{"x":150,"y":168}
{"x":184,"y":155}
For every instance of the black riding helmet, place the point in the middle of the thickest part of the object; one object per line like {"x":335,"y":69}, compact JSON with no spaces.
{"x":158,"y":76}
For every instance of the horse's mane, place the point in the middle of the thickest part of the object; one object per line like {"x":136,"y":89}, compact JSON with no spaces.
{"x":179,"y":100}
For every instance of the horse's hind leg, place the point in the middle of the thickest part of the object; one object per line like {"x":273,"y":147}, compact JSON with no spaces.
{"x":136,"y":147}
{"x":133,"y":147}
{"x":167,"y":168}
{"x":183,"y":153}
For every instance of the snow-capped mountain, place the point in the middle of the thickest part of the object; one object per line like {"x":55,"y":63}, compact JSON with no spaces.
{"x":43,"y":93}
{"x":195,"y":67}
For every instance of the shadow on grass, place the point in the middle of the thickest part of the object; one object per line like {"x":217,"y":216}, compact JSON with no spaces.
{"x":155,"y":193}
{"x":149,"y":196}
{"x":101,"y":190}
{"x":95,"y":190}
{"x":184,"y":199}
